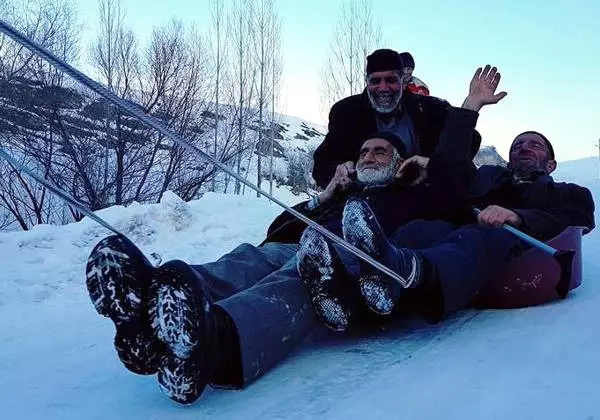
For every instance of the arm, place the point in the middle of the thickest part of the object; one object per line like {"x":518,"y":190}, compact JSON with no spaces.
{"x":286,"y":227}
{"x":446,"y":190}
{"x":330,"y":152}
{"x":444,"y":194}
{"x":453,"y":148}
{"x":285,"y":217}
{"x":576,"y":210}
{"x":459,"y":141}
{"x":456,"y":142}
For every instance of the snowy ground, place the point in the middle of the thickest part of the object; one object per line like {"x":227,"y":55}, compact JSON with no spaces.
{"x":57,"y":360}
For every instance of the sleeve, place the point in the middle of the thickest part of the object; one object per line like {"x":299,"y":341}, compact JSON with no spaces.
{"x":329,"y":153}
{"x":461,"y":145}
{"x":446,"y":191}
{"x":456,"y":142}
{"x":575,"y":210}
{"x":284,"y":218}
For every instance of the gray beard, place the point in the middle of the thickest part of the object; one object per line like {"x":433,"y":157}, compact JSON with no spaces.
{"x":525,"y":174}
{"x":372,"y":177}
{"x":388,"y":106}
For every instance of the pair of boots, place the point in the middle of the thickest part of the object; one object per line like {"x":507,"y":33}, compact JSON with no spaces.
{"x":334,"y":291}
{"x":163,"y":316}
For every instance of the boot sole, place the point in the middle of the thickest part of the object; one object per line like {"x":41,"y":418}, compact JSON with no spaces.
{"x":375,"y":287}
{"x":113,"y":283}
{"x":181,"y":321}
{"x":315,"y":266}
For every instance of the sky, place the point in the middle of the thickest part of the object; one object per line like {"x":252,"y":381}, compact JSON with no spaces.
{"x":547,"y":52}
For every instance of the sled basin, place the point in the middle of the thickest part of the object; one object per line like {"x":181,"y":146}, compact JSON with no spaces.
{"x":531,"y":278}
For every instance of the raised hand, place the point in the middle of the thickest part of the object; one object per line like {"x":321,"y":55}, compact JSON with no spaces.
{"x":482,"y":90}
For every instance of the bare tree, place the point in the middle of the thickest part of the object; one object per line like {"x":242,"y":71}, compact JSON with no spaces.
{"x":219,"y":34}
{"x":355,"y":36}
{"x":265,"y":37}
{"x":245,"y":73}
{"x":179,"y":63}
{"x":114,"y":59}
{"x":31,"y":95}
{"x":261,"y":25}
{"x":276,"y":71}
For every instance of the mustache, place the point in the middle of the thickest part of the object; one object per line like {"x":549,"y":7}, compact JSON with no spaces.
{"x":385,"y":96}
{"x":386,"y":101}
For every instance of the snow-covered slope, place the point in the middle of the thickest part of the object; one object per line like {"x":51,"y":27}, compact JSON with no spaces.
{"x":57,"y":360}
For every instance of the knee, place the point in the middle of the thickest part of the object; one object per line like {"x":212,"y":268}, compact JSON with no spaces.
{"x":244,"y":248}
{"x":421,"y":233}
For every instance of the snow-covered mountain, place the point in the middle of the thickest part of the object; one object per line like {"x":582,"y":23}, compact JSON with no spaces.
{"x":488,"y":155}
{"x":57,"y":360}
{"x":81,"y":126}
{"x":72,"y":138}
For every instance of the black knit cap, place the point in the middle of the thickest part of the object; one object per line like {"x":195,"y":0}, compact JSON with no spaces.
{"x":393,"y":138}
{"x":384,"y":60}
{"x":548,"y":144}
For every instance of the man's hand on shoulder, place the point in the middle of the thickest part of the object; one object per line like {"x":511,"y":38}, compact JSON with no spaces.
{"x":418,"y":162}
{"x":496,"y":216}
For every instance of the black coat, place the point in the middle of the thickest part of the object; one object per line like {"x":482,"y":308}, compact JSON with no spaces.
{"x":352,"y":119}
{"x":444,"y":196}
{"x":545,"y":207}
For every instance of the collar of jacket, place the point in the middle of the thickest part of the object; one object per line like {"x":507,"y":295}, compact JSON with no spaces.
{"x":542,"y":180}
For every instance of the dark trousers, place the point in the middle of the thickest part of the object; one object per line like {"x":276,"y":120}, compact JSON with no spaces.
{"x":459,"y":261}
{"x":261,"y":292}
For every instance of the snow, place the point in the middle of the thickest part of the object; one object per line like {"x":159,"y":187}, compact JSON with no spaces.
{"x":57,"y":359}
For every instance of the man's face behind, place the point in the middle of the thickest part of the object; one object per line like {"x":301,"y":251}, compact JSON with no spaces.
{"x":385,"y":90}
{"x":377,"y":163}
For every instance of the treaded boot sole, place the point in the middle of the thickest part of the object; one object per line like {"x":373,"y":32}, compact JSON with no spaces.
{"x":181,"y":319}
{"x":375,"y":287}
{"x":315,"y":266}
{"x":117,"y":274}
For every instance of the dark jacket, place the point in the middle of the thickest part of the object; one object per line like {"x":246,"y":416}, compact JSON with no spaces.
{"x":545,"y":207}
{"x":352,"y":119}
{"x":443,"y":196}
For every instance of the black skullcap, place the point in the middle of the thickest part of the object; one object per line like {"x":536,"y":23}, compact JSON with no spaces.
{"x":393,"y":138}
{"x":384,"y":60}
{"x":548,"y":144}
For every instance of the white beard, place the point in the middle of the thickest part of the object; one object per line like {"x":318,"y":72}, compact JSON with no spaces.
{"x":385,"y":104}
{"x":371,"y":176}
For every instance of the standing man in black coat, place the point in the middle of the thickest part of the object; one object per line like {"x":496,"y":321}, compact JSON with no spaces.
{"x":387,"y":105}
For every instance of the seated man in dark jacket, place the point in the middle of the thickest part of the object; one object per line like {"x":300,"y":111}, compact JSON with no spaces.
{"x":386,"y":104}
{"x":444,"y":267}
{"x":395,"y":201}
{"x":228,"y":322}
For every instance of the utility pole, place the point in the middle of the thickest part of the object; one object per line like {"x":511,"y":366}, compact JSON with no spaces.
{"x":598,"y":146}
